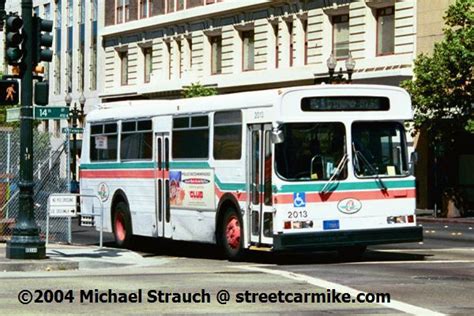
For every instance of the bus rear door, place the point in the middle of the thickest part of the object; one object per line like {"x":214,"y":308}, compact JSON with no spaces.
{"x":163,"y":216}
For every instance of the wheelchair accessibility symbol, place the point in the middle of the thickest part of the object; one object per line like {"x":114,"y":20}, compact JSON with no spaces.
{"x":299,"y":199}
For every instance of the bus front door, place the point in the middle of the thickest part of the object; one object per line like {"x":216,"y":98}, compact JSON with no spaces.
{"x":163,"y":216}
{"x":260,"y":184}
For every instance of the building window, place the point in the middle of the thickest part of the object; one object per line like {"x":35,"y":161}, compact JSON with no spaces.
{"x":119,"y":11}
{"x":143,"y":9}
{"x":193,"y":3}
{"x":180,"y":5}
{"x":148,"y":58}
{"x":216,"y":54}
{"x":228,"y":135}
{"x":109,"y":14}
{"x":179,"y":57}
{"x":276,"y":35}
{"x":82,"y":39}
{"x":93,"y":53}
{"x":170,"y":6}
{"x":289,"y":25}
{"x":340,"y":33}
{"x":191,"y":137}
{"x":123,"y":68}
{"x":248,"y":50}
{"x":57,"y":55}
{"x":70,"y":43}
{"x":157,"y":7}
{"x":385,"y":31}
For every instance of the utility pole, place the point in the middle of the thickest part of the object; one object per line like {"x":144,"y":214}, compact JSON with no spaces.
{"x":25,"y":242}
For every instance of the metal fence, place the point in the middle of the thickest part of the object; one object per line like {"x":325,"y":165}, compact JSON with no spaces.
{"x":49,"y":177}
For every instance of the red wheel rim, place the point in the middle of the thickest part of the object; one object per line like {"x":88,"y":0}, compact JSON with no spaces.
{"x":232,"y":232}
{"x":120,"y":227}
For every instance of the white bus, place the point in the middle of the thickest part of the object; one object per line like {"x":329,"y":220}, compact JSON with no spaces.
{"x":313,"y":167}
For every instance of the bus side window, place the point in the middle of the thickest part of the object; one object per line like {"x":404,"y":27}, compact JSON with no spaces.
{"x":227,"y":135}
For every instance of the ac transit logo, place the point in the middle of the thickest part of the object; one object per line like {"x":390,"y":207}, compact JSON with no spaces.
{"x":299,"y":199}
{"x":349,"y":206}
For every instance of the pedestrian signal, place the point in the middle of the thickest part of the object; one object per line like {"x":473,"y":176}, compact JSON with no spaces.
{"x":9,"y":92}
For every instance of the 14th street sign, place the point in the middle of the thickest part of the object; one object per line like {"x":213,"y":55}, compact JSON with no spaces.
{"x":51,"y":112}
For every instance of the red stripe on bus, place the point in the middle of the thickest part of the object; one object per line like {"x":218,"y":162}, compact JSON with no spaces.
{"x":110,"y":174}
{"x":129,"y":174}
{"x":239,"y":196}
{"x":337,"y":196}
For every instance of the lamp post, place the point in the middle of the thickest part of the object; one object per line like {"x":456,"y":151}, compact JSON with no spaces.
{"x":25,"y":242}
{"x":332,"y":63}
{"x":74,"y":114}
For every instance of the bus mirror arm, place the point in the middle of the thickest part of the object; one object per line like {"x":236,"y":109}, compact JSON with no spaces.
{"x":277,"y":136}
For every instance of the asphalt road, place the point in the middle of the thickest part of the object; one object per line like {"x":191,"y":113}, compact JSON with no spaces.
{"x":433,"y":277}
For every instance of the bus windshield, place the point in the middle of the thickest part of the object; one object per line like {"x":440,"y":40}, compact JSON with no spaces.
{"x":379,"y":148}
{"x":311,"y":151}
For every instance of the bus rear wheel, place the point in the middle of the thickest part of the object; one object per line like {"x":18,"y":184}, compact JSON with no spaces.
{"x":231,"y":236}
{"x":122,"y":225}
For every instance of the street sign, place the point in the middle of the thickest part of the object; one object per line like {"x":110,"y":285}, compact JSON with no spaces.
{"x":62,"y":205}
{"x":72,"y":130}
{"x":9,"y":92}
{"x":51,"y":112}
{"x":13,"y":115}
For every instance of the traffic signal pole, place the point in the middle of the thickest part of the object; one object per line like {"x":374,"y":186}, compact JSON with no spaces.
{"x":25,"y":242}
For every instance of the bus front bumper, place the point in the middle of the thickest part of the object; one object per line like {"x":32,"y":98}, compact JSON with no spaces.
{"x":336,"y":239}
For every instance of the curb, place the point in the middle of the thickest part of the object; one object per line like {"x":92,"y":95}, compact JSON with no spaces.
{"x":37,"y":265}
{"x":420,"y":219}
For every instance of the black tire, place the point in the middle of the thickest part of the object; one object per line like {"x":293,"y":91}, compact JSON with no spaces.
{"x":230,"y":239}
{"x":352,"y":252}
{"x":122,"y":225}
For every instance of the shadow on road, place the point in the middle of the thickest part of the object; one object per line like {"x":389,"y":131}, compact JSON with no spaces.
{"x":156,"y":247}
{"x":153,"y":247}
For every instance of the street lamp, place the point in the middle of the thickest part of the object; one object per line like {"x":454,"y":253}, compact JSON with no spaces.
{"x":332,"y":63}
{"x":350,"y":65}
{"x":74,"y":114}
{"x":82,"y":102}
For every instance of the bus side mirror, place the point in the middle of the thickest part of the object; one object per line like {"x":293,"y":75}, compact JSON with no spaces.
{"x":277,"y":136}
{"x":413,"y":161}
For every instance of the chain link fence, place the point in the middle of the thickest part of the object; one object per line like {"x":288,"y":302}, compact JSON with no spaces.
{"x":49,"y":177}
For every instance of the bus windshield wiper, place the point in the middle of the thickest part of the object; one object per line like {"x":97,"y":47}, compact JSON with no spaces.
{"x":359,"y":154}
{"x":336,"y":173}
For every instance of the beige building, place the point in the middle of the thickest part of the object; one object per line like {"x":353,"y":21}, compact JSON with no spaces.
{"x":430,"y":23}
{"x":154,"y":48}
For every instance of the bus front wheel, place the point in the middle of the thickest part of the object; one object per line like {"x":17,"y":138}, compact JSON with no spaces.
{"x":122,"y":225}
{"x":231,"y":236}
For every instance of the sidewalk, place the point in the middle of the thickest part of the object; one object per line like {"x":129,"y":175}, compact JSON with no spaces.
{"x":48,"y":264}
{"x":427,"y":216}
{"x":76,"y":257}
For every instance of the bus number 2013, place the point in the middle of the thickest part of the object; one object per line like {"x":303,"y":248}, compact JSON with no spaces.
{"x":297,"y":214}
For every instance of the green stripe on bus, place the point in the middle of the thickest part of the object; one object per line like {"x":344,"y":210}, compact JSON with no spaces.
{"x":347,"y":186}
{"x":189,"y":165}
{"x":118,"y":165}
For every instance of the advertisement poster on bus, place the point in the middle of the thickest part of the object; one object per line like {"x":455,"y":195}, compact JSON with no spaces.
{"x":192,"y":188}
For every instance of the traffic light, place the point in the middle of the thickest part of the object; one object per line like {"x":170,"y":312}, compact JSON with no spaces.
{"x":43,"y":40}
{"x":41,"y":93}
{"x":13,"y":39}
